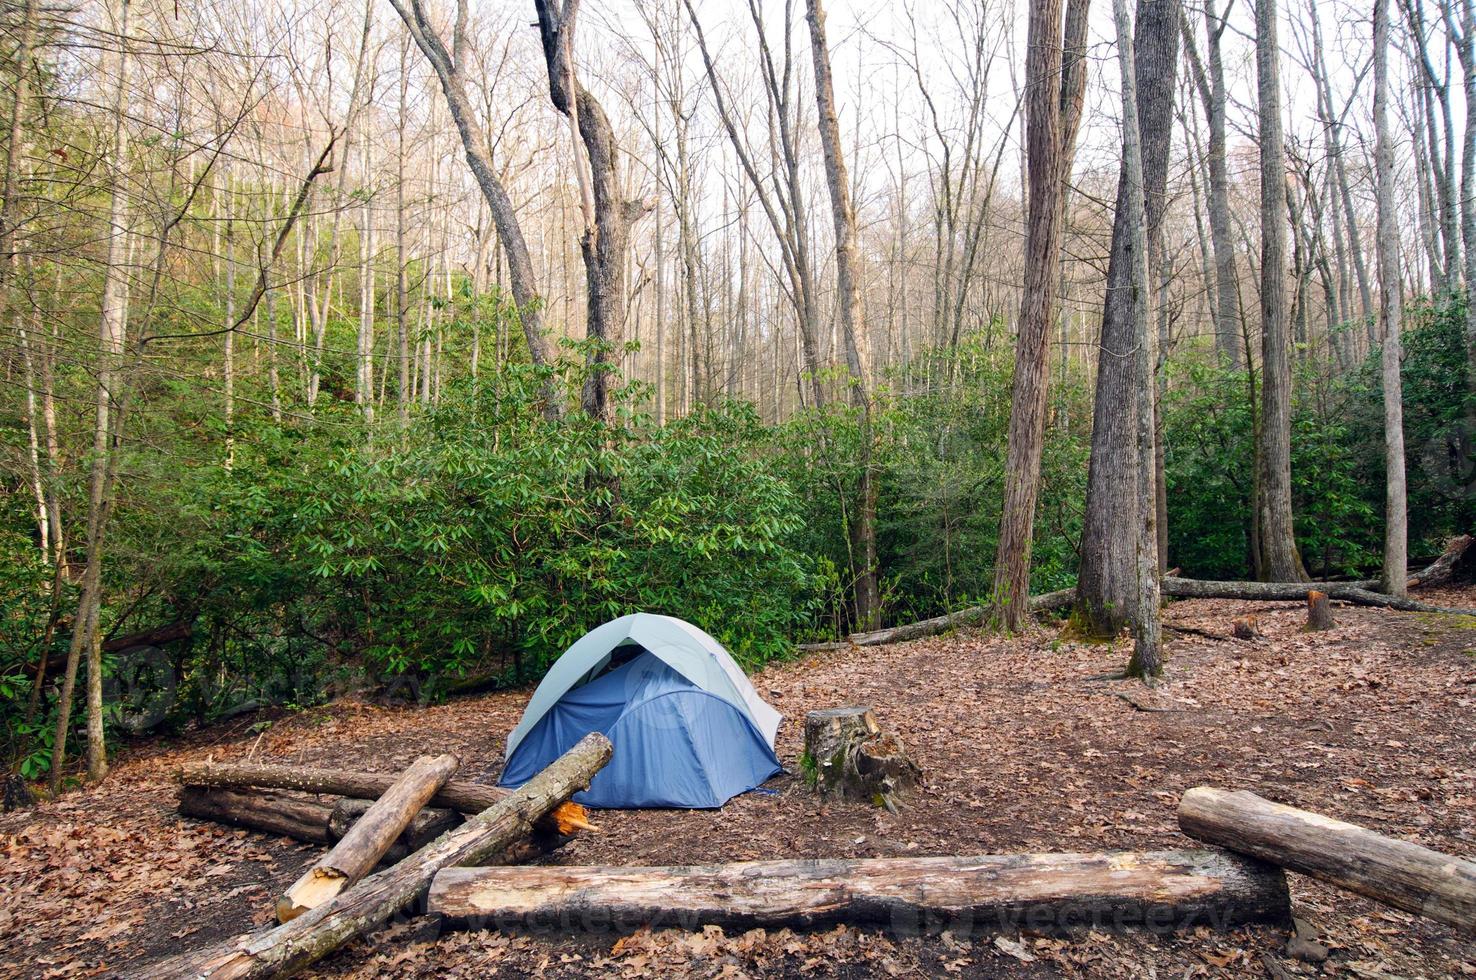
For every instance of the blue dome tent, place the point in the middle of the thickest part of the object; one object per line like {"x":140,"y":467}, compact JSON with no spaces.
{"x":688,"y":728}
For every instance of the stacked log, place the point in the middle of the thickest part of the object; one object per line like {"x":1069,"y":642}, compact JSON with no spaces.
{"x":365,"y":842}
{"x":361,"y":908}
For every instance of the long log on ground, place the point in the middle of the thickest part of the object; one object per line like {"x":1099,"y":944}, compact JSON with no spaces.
{"x":318,"y":821}
{"x":1357,"y":593}
{"x":1395,"y":872}
{"x":465,"y":797}
{"x":1157,"y":890}
{"x":273,"y":813}
{"x":288,"y":948}
{"x":972,"y":616}
{"x":367,"y":840}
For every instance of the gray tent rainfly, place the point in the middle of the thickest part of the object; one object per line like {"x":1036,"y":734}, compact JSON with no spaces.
{"x":689,"y":729}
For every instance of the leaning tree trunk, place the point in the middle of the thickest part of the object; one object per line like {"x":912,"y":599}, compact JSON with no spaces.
{"x":448,"y":66}
{"x":853,"y":330}
{"x":608,"y":214}
{"x":1107,"y":584}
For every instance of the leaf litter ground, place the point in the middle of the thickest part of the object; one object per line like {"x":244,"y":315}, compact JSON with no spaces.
{"x":1374,"y":722}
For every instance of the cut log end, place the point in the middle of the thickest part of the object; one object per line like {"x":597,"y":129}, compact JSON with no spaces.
{"x":316,"y":887}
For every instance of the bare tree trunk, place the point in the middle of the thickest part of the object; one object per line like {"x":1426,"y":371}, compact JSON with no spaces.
{"x":1047,"y":171}
{"x":402,"y":292}
{"x":608,"y":215}
{"x":1222,"y":234}
{"x":1396,"y":520}
{"x":848,"y":287}
{"x":448,"y":67}
{"x":1278,"y":539}
{"x":1147,"y":661}
{"x":112,"y":326}
{"x":1107,"y":585}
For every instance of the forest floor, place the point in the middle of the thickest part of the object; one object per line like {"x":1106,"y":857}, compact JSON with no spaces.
{"x":1374,"y":722}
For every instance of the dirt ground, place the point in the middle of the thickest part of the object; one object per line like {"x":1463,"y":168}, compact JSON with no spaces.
{"x":1374,"y":722}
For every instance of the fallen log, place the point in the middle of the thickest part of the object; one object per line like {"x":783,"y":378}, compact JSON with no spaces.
{"x":1453,"y":561}
{"x":284,"y":950}
{"x":273,"y":813}
{"x":1358,"y":593}
{"x":367,"y":840}
{"x":430,"y":823}
{"x":305,"y":819}
{"x":972,"y":616}
{"x":1395,"y":872}
{"x":1158,"y":890}
{"x":465,"y":797}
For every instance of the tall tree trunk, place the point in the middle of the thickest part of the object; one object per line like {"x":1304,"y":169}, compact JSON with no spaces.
{"x":1396,"y":545}
{"x":1281,"y":562}
{"x":1047,"y":170}
{"x":112,"y":327}
{"x":1147,"y":661}
{"x":848,"y":288}
{"x":1211,"y":86}
{"x":1107,"y":585}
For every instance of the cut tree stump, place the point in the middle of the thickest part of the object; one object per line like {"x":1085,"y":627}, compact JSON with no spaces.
{"x":854,"y":759}
{"x":308,"y":938}
{"x":1158,"y":890}
{"x":465,"y":797}
{"x":1319,"y":612}
{"x":362,"y":846}
{"x":1395,"y":872}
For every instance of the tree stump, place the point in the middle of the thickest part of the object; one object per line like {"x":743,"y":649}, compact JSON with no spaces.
{"x":850,"y":757}
{"x":1319,"y":612}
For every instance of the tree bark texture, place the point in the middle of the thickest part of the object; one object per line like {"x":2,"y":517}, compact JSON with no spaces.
{"x":1045,"y":176}
{"x":1280,"y":561}
{"x":1107,"y":584}
{"x":1391,"y":317}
